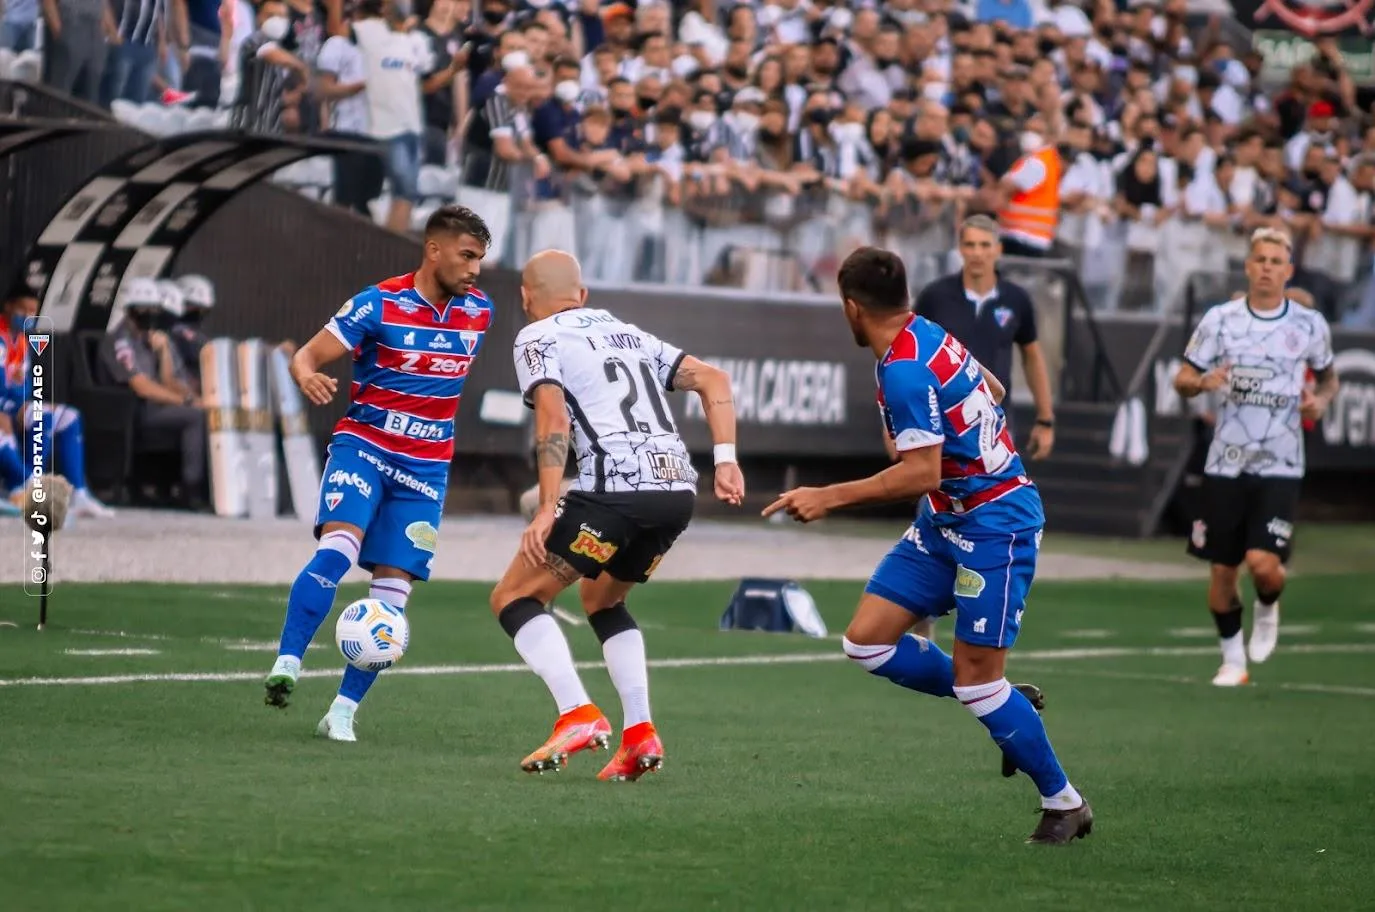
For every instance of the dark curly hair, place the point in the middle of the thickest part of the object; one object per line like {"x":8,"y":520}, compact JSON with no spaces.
{"x":456,"y":220}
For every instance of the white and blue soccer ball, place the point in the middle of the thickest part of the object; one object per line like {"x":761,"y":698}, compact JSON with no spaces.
{"x":372,"y":635}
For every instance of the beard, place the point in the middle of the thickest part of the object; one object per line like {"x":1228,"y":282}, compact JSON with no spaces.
{"x":861,"y":338}
{"x":453,"y":289}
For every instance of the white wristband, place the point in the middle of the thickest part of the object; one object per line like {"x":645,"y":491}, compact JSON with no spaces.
{"x":723,"y":452}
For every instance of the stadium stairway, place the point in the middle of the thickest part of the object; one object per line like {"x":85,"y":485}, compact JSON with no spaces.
{"x":1087,"y":490}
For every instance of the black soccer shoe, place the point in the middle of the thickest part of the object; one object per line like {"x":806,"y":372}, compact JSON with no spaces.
{"x":1062,"y":827}
{"x":278,"y":691}
{"x":1038,"y":703}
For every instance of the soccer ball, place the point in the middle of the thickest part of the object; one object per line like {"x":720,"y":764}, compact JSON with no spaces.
{"x":372,"y":635}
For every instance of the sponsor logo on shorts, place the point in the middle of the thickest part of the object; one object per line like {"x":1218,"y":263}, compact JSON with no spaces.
{"x":913,"y":534}
{"x":968,"y":584}
{"x":423,"y":535}
{"x":1280,"y":529}
{"x":958,"y":540}
{"x":1018,"y":618}
{"x":653,"y":565}
{"x":348,"y":479}
{"x":1039,"y":533}
{"x":981,"y":625}
{"x":1199,"y":535}
{"x":591,"y":545}
{"x":405,"y":479}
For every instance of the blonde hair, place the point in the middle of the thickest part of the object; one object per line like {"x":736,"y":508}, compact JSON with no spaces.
{"x":1272,"y":236}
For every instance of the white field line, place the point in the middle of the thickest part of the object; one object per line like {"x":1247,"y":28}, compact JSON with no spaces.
{"x":1342,"y":689}
{"x":568,"y":617}
{"x":1208,"y":633}
{"x":1092,"y":633}
{"x":111,"y":652}
{"x":255,"y":645}
{"x":793,"y":658}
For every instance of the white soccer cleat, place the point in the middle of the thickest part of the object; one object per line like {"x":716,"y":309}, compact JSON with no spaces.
{"x":281,"y":681}
{"x":1265,"y":631}
{"x":1231,"y":676}
{"x":337,"y":725}
{"x":84,"y":503}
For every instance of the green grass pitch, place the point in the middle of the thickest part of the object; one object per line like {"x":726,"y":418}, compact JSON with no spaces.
{"x":796,"y":785}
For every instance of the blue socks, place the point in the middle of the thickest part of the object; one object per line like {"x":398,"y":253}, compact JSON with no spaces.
{"x":913,"y":662}
{"x":1016,"y":727}
{"x":1018,"y":731}
{"x":395,"y":592}
{"x":312,"y":595}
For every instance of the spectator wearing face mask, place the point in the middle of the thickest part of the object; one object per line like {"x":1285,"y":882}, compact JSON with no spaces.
{"x":265,"y":68}
{"x":1028,"y":199}
{"x":500,"y":141}
{"x":139,"y":354}
{"x":508,"y":54}
{"x":197,"y":298}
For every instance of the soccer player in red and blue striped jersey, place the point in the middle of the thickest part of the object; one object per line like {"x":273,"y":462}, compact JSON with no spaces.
{"x":412,"y":339}
{"x":974,"y":544}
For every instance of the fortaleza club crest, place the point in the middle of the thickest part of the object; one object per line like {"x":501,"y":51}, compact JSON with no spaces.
{"x":1319,"y":17}
{"x":39,"y":343}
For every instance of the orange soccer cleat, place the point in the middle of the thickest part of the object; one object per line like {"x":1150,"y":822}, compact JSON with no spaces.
{"x":641,"y":752}
{"x":583,"y":728}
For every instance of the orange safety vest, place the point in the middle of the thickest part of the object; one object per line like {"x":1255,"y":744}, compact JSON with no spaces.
{"x":1033,"y":215}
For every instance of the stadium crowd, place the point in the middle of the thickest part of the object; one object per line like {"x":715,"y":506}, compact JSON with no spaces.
{"x":756,"y":143}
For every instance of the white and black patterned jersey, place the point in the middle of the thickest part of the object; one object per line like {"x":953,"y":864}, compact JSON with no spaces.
{"x":1258,"y":430}
{"x":614,"y":376}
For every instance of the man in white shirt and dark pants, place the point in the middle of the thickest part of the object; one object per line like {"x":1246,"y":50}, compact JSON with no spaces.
{"x":343,"y":74}
{"x":394,"y":63}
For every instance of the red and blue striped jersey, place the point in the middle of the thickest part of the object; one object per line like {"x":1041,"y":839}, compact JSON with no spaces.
{"x":410,"y":360}
{"x":931,"y":392}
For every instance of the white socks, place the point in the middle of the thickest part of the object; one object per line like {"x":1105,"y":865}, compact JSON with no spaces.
{"x":625,"y":662}
{"x":1234,"y":650}
{"x":395,"y":592}
{"x":542,"y":645}
{"x":1067,"y":799}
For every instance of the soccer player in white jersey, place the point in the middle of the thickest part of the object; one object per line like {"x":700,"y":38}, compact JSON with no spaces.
{"x":1253,"y":350}
{"x":601,"y":382}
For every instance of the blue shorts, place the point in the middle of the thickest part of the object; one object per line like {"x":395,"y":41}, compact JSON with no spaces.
{"x":398,"y":511}
{"x":983,"y":573}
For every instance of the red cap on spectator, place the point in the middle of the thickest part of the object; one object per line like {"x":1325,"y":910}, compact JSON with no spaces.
{"x":617,"y":10}
{"x":1321,"y":109}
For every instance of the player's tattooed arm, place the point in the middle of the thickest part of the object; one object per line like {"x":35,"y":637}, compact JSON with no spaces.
{"x":551,"y":440}
{"x":551,"y":450}
{"x":712,"y":385}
